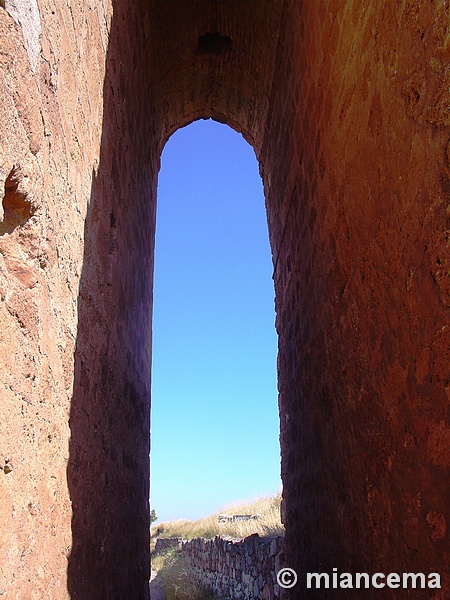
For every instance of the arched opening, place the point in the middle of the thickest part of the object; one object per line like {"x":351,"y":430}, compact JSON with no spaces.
{"x":214,"y":393}
{"x":357,"y":194}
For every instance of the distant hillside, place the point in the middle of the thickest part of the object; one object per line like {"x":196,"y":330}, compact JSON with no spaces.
{"x":231,"y":522}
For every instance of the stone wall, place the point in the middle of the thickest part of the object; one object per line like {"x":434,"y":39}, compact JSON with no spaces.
{"x":163,"y":544}
{"x":236,"y":570}
{"x":346,"y":106}
{"x":50,"y":123}
{"x":359,"y":220}
{"x":73,"y":503}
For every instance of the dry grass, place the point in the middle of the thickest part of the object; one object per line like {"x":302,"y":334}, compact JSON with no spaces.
{"x":178,"y":585}
{"x":267,"y":524}
{"x":177,"y":582}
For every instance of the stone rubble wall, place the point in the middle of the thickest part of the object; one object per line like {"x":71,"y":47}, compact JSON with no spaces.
{"x":236,"y":570}
{"x":163,"y":544}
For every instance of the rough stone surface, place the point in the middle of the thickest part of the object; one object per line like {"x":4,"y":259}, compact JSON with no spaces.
{"x":26,"y":12}
{"x":74,"y":503}
{"x":163,"y":544}
{"x":347,"y":107}
{"x":236,"y":569}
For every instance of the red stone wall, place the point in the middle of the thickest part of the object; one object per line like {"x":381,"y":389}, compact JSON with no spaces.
{"x":361,"y":250}
{"x":50,"y":122}
{"x":75,"y":303}
{"x":347,"y":106}
{"x":108,"y":468}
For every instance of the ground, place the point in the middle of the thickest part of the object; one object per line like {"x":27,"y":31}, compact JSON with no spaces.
{"x":156,"y":588}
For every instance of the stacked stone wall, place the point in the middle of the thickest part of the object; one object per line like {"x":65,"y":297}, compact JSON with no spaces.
{"x":163,"y":544}
{"x":236,"y":570}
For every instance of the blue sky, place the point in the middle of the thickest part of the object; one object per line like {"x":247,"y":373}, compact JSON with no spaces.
{"x":214,"y":395}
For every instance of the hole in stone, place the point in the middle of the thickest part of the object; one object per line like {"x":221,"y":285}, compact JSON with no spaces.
{"x":17,"y":208}
{"x":214,"y":43}
{"x":214,"y":417}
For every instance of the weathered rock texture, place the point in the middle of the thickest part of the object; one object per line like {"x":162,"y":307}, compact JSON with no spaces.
{"x":236,"y":570}
{"x":347,"y":107}
{"x":163,"y":544}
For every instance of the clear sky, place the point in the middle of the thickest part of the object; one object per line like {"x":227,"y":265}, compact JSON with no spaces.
{"x":214,"y":396}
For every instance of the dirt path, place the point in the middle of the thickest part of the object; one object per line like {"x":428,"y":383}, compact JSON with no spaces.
{"x":156,"y":587}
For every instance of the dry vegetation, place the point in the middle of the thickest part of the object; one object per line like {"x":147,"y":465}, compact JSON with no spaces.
{"x":177,"y":582}
{"x":178,"y":585}
{"x":268,"y":522}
